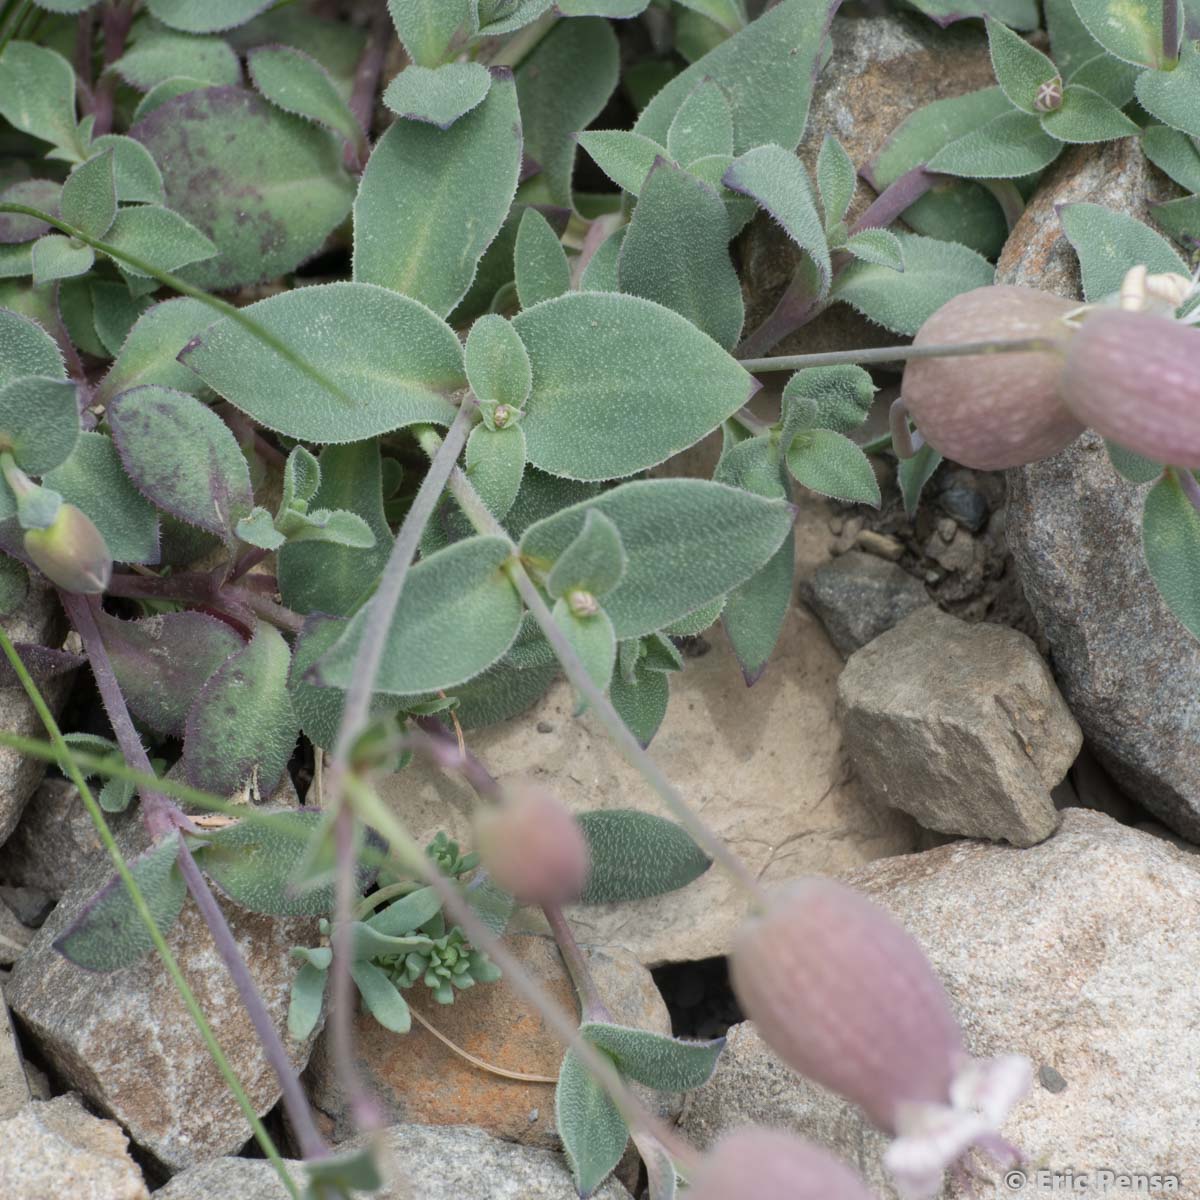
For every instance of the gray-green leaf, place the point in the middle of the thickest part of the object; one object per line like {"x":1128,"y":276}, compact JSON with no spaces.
{"x":831,"y":464}
{"x":593,"y":1133}
{"x":89,"y":195}
{"x":1109,"y":243}
{"x":702,"y":126}
{"x":1007,"y":147}
{"x":1171,"y":540}
{"x":1021,"y":69}
{"x":594,"y":562}
{"x":438,"y":96}
{"x":298,"y":84}
{"x":542,"y":270}
{"x":665,"y":1064}
{"x":39,"y":421}
{"x":636,"y":854}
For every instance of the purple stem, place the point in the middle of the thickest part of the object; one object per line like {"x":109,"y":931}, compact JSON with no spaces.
{"x":160,"y":816}
{"x":1187,"y":481}
{"x":1170,"y":25}
{"x":591,"y":1004}
{"x":1007,"y":195}
{"x":198,"y":587}
{"x":115,"y":21}
{"x":247,"y":562}
{"x":366,"y":80}
{"x":906,"y":442}
{"x":895,"y":199}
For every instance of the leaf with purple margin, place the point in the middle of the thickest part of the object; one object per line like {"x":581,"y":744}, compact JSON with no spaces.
{"x":162,"y":661}
{"x":182,"y":457}
{"x":42,"y":662}
{"x":108,"y":933}
{"x":242,"y":725}
{"x":265,"y":186}
{"x":431,"y":200}
{"x":438,"y":95}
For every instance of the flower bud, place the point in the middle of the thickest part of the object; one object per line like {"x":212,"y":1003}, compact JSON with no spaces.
{"x":71,"y":552}
{"x":1135,"y":377}
{"x":991,"y":411}
{"x":846,"y":997}
{"x":533,"y":848}
{"x":773,"y":1165}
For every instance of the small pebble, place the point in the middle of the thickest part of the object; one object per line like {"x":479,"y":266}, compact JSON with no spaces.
{"x":947,"y":527}
{"x":1050,"y":1079}
{"x":545,"y":727}
{"x":966,"y":505}
{"x":882,"y":545}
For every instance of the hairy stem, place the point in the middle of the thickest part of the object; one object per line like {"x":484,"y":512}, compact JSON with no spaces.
{"x":162,"y":816}
{"x":115,"y":21}
{"x":890,"y":354}
{"x":67,"y":761}
{"x":199,"y":587}
{"x":798,"y":305}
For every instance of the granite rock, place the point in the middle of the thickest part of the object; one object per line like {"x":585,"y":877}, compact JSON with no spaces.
{"x":959,"y":725}
{"x":859,"y":596}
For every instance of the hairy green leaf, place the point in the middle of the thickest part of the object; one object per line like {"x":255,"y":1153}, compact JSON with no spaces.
{"x":914,"y":473}
{"x":592,"y":639}
{"x":307,"y":1000}
{"x":830,"y":463}
{"x":265,"y":186}
{"x":627,"y":158}
{"x":608,"y":373}
{"x":162,"y":237}
{"x":836,"y":180}
{"x":495,"y":465}
{"x":56,"y":257}
{"x":242,"y":723}
{"x":409,"y":913}
{"x":1086,"y":116}
{"x":27,"y":349}
{"x":150,"y":353}
{"x":687,"y":542}
{"x":1174,"y":153}
{"x":39,"y":421}
{"x":37,"y":95}
{"x":182,"y":457}
{"x":162,"y":55}
{"x":395,"y":359}
{"x":93,"y":479}
{"x":636,"y":854}
{"x":438,"y":96}
{"x":428,"y":27}
{"x":458,"y":613}
{"x":594,"y":562}
{"x":702,"y":126}
{"x":497,"y":363}
{"x":1174,"y":96}
{"x":593,"y":1133}
{"x":1110,"y":77}
{"x":209,"y":16}
{"x":297,"y":83}
{"x":1021,"y":69}
{"x":934,"y":272}
{"x":1132,"y":466}
{"x":259,"y":864}
{"x":663,"y":1063}
{"x":1179,"y":218}
{"x":676,"y":252}
{"x":562,"y":87}
{"x":381,"y":997}
{"x":1020,"y":14}
{"x":1007,"y":147}
{"x":1171,"y":540}
{"x":325,"y":578}
{"x":161,"y":662}
{"x":542,"y":271}
{"x":431,"y":200}
{"x":1109,"y":243}
{"x":879,"y":246}
{"x":89,"y":195}
{"x":108,"y":934}
{"x":1129,"y":29}
{"x":766,"y":72}
{"x":642,"y":702}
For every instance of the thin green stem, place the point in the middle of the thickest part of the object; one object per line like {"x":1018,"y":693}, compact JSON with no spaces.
{"x":66,"y":761}
{"x":184,"y":288}
{"x":888,"y":354}
{"x":481,"y":518}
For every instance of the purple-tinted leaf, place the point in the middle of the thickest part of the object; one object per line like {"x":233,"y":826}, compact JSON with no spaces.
{"x":242,"y":724}
{"x":42,"y":662}
{"x":108,"y":934}
{"x":161,"y":662}
{"x":182,"y":457}
{"x":36,"y":193}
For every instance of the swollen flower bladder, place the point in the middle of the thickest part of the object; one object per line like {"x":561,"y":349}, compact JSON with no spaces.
{"x":846,"y":997}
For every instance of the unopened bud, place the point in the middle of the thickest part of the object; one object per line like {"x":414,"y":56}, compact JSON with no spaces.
{"x":533,"y":848}
{"x":846,"y":997}
{"x":1049,"y":95}
{"x":71,"y":552}
{"x":773,"y":1165}
{"x":1135,"y":378}
{"x":582,"y":604}
{"x":997,"y":410}
{"x":501,"y":415}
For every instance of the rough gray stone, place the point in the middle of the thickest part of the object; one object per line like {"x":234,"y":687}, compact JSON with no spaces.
{"x":960,"y":726}
{"x":54,"y":841}
{"x":126,"y":1041}
{"x":14,"y":1086}
{"x":449,"y":1163}
{"x":14,"y":936}
{"x":1077,"y":953}
{"x":859,"y":596}
{"x":1128,"y":669}
{"x":55,"y":1149}
{"x":40,"y":620}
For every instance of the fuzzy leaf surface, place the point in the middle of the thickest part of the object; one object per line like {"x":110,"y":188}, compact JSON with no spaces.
{"x":593,"y":1132}
{"x":394,"y":358}
{"x":1109,"y":243}
{"x":636,"y":854}
{"x":438,"y":96}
